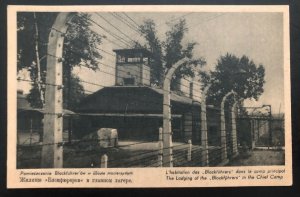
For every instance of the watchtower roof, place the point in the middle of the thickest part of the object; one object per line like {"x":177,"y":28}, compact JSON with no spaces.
{"x":132,"y":51}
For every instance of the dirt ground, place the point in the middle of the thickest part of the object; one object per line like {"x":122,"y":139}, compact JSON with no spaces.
{"x":259,"y":157}
{"x":145,"y":154}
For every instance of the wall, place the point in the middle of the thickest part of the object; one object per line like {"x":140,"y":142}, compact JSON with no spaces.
{"x":146,"y":75}
{"x":129,"y":128}
{"x":140,"y":72}
{"x":128,"y":71}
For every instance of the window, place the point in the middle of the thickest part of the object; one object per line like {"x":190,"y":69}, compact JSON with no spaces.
{"x":133,"y":59}
{"x":121,"y":58}
{"x":129,"y":81}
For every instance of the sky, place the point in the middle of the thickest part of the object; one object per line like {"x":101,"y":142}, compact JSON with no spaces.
{"x":256,"y":35}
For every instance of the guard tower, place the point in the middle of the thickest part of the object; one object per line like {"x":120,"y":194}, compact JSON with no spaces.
{"x":132,"y":67}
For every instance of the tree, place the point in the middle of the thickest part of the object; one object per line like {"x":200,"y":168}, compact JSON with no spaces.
{"x":241,"y":75}
{"x":148,"y":30}
{"x":80,"y":49}
{"x":166,"y":53}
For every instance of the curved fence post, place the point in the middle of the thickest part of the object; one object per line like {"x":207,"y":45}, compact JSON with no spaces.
{"x":52,"y":150}
{"x":234,"y":131}
{"x":167,"y":129}
{"x":223,"y":129}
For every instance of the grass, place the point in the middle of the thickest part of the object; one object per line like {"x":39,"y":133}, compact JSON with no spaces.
{"x":259,"y":157}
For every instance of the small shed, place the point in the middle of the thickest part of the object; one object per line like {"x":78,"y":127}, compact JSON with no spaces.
{"x":30,"y":121}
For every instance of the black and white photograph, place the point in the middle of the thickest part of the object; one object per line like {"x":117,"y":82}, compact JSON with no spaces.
{"x":151,"y":89}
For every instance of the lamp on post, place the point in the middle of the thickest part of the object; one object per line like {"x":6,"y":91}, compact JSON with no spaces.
{"x":270,"y":124}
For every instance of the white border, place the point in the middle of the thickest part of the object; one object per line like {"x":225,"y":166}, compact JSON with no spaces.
{"x":143,"y":177}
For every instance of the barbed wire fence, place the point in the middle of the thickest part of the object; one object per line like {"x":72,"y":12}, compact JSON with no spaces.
{"x":160,"y":149}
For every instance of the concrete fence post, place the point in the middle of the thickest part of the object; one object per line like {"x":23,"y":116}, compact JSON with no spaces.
{"x":234,"y":131}
{"x":160,"y":147}
{"x":204,"y":138}
{"x":189,"y":152}
{"x":104,"y":160}
{"x":31,"y":128}
{"x":253,"y":129}
{"x":223,"y":129}
{"x":167,"y":128}
{"x":52,"y":153}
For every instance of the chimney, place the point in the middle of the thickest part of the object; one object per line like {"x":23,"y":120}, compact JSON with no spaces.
{"x":191,"y":90}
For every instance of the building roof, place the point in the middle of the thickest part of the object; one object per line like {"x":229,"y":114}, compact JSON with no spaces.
{"x":130,"y":51}
{"x":174,"y":96}
{"x":132,"y":99}
{"x":24,"y":106}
